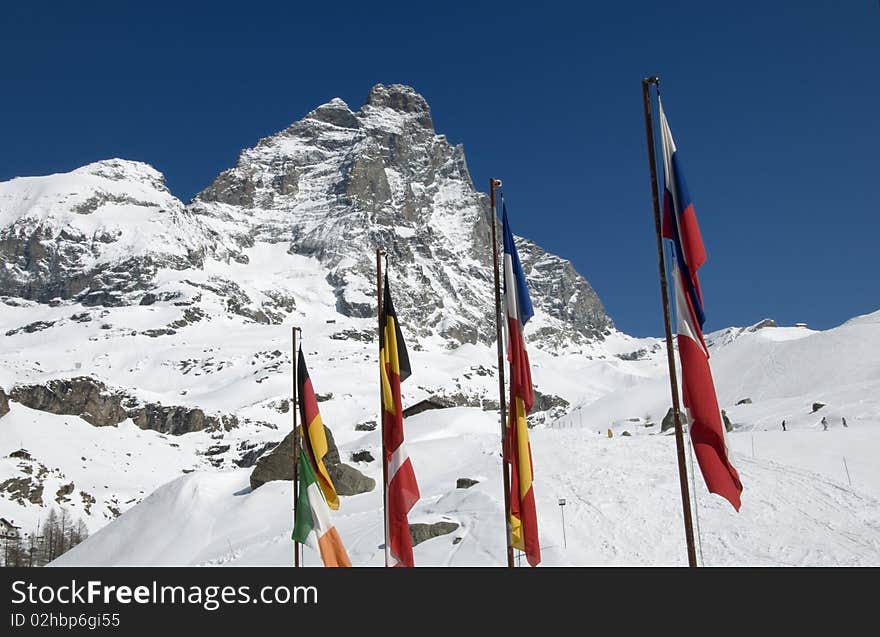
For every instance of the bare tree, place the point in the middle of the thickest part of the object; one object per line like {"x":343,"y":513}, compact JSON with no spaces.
{"x":58,"y":533}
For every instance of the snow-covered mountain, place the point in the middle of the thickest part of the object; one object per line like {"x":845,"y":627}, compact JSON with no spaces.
{"x":94,"y":234}
{"x":338,"y":184}
{"x":334,"y":186}
{"x":127,"y":311}
{"x":145,"y":363}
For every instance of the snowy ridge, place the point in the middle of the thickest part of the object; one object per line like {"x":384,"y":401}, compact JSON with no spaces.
{"x":94,"y":233}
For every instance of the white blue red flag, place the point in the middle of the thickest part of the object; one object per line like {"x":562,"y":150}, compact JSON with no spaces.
{"x":517,"y":452}
{"x":697,"y":388}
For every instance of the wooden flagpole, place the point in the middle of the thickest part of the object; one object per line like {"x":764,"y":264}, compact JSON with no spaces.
{"x":502,"y":403}
{"x":379,"y":254}
{"x":293,"y":408}
{"x":670,"y":356}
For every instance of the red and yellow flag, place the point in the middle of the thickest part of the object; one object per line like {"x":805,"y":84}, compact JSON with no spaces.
{"x":314,"y":436}
{"x":518,"y":452}
{"x":402,"y":491}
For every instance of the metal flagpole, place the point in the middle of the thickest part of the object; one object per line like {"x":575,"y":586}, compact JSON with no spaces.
{"x":293,"y":408}
{"x":379,"y":254}
{"x":673,"y":380}
{"x":493,"y":184}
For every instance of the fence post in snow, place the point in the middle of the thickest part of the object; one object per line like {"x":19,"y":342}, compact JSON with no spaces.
{"x":562,"y":511}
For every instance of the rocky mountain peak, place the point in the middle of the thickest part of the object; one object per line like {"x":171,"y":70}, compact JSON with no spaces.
{"x":335,"y":112}
{"x":340,"y":183}
{"x":333,"y":186}
{"x":400,"y":99}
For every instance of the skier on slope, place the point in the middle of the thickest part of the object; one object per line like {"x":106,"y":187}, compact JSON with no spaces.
{"x":824,"y":424}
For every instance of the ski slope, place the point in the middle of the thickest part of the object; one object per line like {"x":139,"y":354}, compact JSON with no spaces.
{"x":811,"y":497}
{"x":622,"y":508}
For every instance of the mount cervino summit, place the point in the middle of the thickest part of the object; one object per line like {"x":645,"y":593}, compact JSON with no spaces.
{"x":334,"y":185}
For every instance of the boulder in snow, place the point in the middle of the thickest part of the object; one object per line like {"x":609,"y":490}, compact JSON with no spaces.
{"x":669,"y":423}
{"x":421,"y":532}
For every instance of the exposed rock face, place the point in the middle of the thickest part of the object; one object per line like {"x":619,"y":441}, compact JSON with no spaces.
{"x":30,"y":328}
{"x":637,"y":355}
{"x":85,"y":397}
{"x":23,"y":490}
{"x":817,"y":406}
{"x":465,"y":483}
{"x":338,"y":183}
{"x":62,"y":493}
{"x":101,"y":406}
{"x":432,"y":402}
{"x":170,"y":420}
{"x":362,"y":456}
{"x":728,"y":426}
{"x":334,"y":185}
{"x":668,"y":422}
{"x":421,"y":532}
{"x":252,"y":453}
{"x":762,"y":325}
{"x":50,"y":247}
{"x":278,"y":465}
{"x":367,"y":425}
{"x":546,"y":407}
{"x":4,"y":403}
{"x":562,"y":294}
{"x":348,"y":480}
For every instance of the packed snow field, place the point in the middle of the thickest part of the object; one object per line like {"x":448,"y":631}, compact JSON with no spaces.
{"x":800,"y":506}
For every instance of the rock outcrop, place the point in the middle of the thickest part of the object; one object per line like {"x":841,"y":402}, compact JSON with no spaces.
{"x":421,"y":532}
{"x":71,"y":236}
{"x":101,"y":406}
{"x":333,"y":186}
{"x":84,"y":396}
{"x":338,"y":183}
{"x":669,"y":421}
{"x":278,"y":465}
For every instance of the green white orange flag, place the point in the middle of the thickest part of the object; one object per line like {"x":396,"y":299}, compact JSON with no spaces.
{"x":315,"y":438}
{"x":313,"y":525}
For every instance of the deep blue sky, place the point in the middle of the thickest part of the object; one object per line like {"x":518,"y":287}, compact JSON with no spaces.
{"x":775,"y":108}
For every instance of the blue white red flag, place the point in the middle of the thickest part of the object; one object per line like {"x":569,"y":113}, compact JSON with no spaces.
{"x":697,"y":388}
{"x":518,"y":453}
